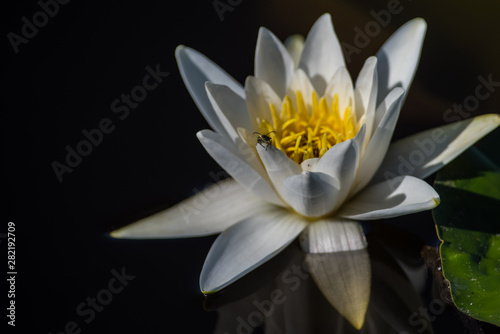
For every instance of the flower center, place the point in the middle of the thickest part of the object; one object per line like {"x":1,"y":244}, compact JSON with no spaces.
{"x":304,"y":132}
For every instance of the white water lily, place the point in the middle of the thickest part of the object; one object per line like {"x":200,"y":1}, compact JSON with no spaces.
{"x":321,"y":171}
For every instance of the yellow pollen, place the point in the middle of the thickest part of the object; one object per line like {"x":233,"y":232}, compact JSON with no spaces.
{"x":310,"y":129}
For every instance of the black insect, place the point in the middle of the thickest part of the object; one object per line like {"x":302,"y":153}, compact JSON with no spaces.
{"x":264,"y":139}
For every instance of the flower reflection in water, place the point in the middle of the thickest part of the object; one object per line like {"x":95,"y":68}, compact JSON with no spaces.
{"x":284,"y":296}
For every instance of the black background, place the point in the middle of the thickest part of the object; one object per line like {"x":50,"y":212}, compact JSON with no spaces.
{"x":64,"y":80}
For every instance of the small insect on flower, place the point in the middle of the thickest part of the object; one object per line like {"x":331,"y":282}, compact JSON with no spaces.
{"x":264,"y":139}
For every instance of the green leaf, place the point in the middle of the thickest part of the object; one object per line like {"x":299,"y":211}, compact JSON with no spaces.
{"x":468,"y":224}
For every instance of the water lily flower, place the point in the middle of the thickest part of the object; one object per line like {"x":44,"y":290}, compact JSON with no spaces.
{"x":308,"y":150}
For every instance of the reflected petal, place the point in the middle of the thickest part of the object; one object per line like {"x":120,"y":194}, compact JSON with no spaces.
{"x":345,"y":280}
{"x":339,"y":264}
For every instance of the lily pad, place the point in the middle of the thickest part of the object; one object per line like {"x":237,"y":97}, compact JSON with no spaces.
{"x":468,"y":224}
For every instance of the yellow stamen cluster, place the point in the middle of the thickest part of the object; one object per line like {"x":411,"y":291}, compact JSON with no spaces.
{"x":303,"y":133}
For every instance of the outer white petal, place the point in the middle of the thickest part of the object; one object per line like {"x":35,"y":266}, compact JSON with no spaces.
{"x":426,"y":152}
{"x":229,"y":107}
{"x":332,"y":235}
{"x":245,"y":170}
{"x":365,"y":95}
{"x":209,"y":211}
{"x":273,"y":63}
{"x":258,"y":97}
{"x":196,"y":69}
{"x":341,"y":84}
{"x":377,"y":147}
{"x":398,"y":57}
{"x":322,"y":54}
{"x":248,"y":244}
{"x":397,"y":197}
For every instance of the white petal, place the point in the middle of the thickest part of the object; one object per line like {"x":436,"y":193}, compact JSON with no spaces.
{"x":341,"y":163}
{"x":300,"y":82}
{"x":196,"y":69}
{"x":229,"y":107}
{"x":360,"y":140}
{"x":248,"y":244}
{"x":294,"y":45}
{"x":278,"y":165}
{"x":311,"y":194}
{"x":400,"y":196}
{"x":209,"y":211}
{"x":332,"y":235}
{"x":398,"y":57}
{"x":273,"y":63}
{"x":377,"y":147}
{"x":309,"y":164}
{"x":239,"y":149}
{"x":426,"y":152}
{"x":244,"y":169}
{"x":322,"y":54}
{"x":341,"y":84}
{"x":366,"y":95}
{"x":258,"y":97}
{"x":249,"y":138}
